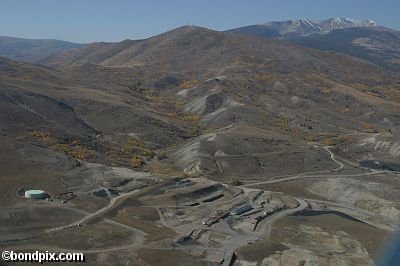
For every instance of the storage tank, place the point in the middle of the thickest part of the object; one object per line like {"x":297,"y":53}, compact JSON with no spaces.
{"x":35,"y":194}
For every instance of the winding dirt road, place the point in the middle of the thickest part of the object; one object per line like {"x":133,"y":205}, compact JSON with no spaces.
{"x":91,"y":216}
{"x":313,"y":173}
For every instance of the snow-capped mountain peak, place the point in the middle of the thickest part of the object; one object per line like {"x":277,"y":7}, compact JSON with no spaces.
{"x":309,"y":26}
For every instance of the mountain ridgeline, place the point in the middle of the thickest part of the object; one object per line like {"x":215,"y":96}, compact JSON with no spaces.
{"x":302,"y":27}
{"x":359,"y":38}
{"x":32,"y":51}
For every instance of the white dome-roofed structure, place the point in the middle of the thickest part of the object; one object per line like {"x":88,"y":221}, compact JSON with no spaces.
{"x":35,"y":194}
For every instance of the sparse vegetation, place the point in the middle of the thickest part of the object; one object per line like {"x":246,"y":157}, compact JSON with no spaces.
{"x":187,"y":84}
{"x":185,"y":117}
{"x":74,"y":148}
{"x":40,"y":134}
{"x":162,"y":156}
{"x":135,"y":146}
{"x":283,"y":124}
{"x":137,"y":162}
{"x":76,"y":151}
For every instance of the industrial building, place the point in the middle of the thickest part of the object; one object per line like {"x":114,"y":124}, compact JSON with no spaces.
{"x":243,"y":209}
{"x":35,"y":194}
{"x":218,"y":216}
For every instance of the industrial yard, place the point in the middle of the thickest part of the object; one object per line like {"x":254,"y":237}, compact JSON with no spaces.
{"x":196,"y":215}
{"x":129,"y":211}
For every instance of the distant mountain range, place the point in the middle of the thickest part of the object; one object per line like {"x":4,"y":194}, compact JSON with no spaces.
{"x":359,"y":38}
{"x":302,"y":27}
{"x":31,"y":50}
{"x":377,"y":45}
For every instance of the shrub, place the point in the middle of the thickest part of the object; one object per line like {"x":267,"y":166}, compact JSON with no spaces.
{"x":162,"y":156}
{"x":136,"y":162}
{"x":236,"y":182}
{"x":186,"y":84}
{"x":283,"y":123}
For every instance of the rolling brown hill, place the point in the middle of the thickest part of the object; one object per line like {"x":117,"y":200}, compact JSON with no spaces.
{"x":33,"y":50}
{"x":193,"y":92}
{"x":201,"y":50}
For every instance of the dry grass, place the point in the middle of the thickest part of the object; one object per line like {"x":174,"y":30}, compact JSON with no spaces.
{"x":370,"y":237}
{"x":186,"y":84}
{"x":143,"y":218}
{"x":95,"y":236}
